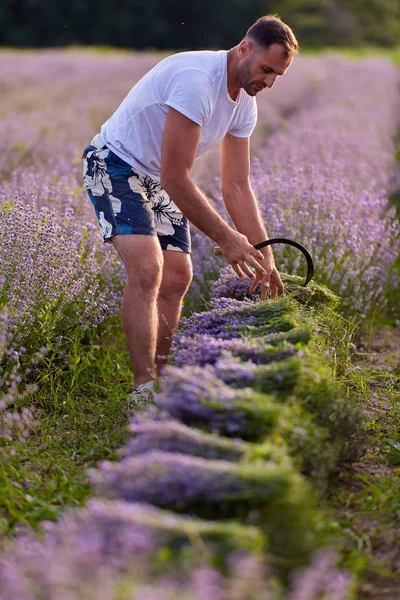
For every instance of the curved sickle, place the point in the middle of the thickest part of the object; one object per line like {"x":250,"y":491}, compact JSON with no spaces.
{"x":310,"y":264}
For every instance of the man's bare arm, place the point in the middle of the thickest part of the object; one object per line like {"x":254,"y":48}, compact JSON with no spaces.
{"x":242,"y":206}
{"x":237,"y":193}
{"x":179,"y":148}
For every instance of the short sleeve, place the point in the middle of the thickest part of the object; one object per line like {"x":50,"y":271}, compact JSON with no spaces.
{"x":245,"y":119}
{"x":190,"y":93}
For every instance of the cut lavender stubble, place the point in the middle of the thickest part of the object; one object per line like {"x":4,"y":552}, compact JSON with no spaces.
{"x":196,"y":396}
{"x":332,"y":408}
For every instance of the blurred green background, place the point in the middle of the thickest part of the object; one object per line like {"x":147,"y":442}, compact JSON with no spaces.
{"x":193,"y":24}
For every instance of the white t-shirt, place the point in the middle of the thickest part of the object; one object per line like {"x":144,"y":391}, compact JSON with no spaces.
{"x":193,"y":83}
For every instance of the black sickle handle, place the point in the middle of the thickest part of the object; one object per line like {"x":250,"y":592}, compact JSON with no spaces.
{"x":310,"y":264}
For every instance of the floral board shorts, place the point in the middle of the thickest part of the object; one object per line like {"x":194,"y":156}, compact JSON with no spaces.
{"x":126,"y":201}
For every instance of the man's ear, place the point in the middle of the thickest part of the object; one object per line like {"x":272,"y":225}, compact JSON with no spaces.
{"x":244,"y":48}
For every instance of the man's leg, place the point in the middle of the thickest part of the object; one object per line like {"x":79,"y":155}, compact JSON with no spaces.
{"x":143,"y":259}
{"x":176,"y":278}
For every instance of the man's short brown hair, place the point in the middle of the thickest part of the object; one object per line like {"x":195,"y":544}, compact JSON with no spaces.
{"x":270,"y":29}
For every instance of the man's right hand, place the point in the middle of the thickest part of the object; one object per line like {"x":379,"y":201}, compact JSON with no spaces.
{"x":241,"y":255}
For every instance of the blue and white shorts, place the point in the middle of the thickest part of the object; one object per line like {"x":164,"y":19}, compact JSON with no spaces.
{"x":126,"y":201}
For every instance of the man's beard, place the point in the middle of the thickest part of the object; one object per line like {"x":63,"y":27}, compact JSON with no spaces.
{"x":246,"y":81}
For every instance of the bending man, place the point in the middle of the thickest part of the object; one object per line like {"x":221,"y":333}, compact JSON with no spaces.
{"x":136,"y":172}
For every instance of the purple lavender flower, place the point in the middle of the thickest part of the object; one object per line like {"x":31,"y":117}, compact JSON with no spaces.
{"x":196,"y":396}
{"x":15,"y":426}
{"x":106,"y":542}
{"x":278,"y":377}
{"x":172,"y":436}
{"x":212,"y":487}
{"x":235,"y":319}
{"x":229,"y":285}
{"x":201,"y":350}
{"x":49,"y":270}
{"x":321,"y":577}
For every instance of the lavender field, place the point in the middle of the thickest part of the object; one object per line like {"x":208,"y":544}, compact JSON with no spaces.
{"x":234,"y":484}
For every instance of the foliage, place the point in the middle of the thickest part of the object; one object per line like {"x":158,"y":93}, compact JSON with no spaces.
{"x":352,"y":23}
{"x":178,"y":24}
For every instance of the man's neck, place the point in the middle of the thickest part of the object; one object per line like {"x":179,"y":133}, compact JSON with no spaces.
{"x":233,"y":84}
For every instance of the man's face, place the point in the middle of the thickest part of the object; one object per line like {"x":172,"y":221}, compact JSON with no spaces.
{"x":259,"y":67}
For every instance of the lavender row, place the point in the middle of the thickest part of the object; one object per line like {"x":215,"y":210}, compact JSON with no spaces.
{"x":218,"y":486}
{"x":182,"y":469}
{"x":314,"y":417}
{"x":53,"y":281}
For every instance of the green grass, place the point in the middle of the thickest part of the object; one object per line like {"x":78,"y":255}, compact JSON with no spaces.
{"x":365,"y":499}
{"x":81,"y":418}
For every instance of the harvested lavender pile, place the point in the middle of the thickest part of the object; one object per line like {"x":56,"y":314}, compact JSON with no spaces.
{"x":246,"y":427}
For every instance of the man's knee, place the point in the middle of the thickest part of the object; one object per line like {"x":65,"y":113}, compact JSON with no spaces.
{"x":146,"y":277}
{"x":143,"y":262}
{"x":176,"y":280}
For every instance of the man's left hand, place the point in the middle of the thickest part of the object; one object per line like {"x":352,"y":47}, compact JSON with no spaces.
{"x":271,"y":282}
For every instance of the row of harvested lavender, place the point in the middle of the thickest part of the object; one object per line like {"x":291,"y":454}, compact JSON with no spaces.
{"x":219,"y":455}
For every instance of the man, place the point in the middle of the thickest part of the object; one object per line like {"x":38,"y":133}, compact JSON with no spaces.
{"x":136,"y":172}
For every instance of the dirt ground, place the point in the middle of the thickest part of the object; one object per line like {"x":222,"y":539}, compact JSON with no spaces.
{"x":383,"y":349}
